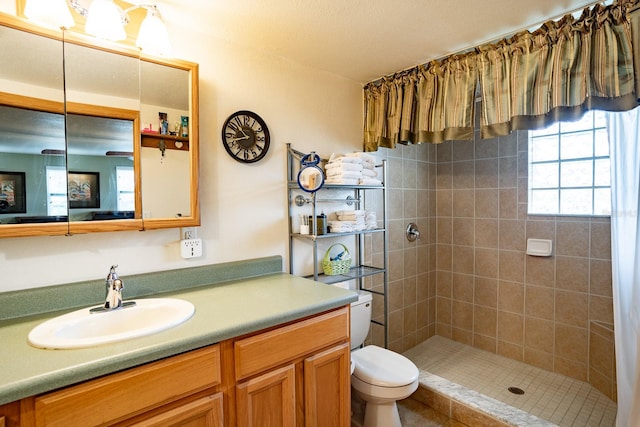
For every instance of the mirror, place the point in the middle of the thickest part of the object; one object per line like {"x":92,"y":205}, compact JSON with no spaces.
{"x":122,"y":174}
{"x":103,"y":103}
{"x":32,"y":139}
{"x":310,"y":176}
{"x":165,"y":156}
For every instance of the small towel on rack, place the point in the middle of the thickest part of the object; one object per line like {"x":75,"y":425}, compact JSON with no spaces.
{"x":369,"y":173}
{"x":343,"y":166}
{"x":370,"y":181}
{"x":341,"y":158}
{"x":339,"y":173}
{"x":342,"y":181}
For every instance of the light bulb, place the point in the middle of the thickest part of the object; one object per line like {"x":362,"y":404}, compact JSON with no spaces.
{"x":153,"y":37}
{"x":104,"y":21}
{"x":49,"y":13}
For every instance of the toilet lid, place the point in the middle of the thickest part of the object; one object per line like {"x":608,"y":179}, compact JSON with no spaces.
{"x":379,"y":366}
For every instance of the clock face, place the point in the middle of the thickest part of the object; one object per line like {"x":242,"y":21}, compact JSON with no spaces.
{"x":245,"y":136}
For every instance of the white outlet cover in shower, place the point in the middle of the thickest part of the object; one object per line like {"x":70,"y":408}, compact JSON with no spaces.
{"x":539,"y":247}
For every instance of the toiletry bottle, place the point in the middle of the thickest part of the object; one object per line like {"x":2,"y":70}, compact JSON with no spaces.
{"x":185,"y":126}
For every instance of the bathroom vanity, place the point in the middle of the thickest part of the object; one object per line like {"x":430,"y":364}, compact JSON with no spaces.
{"x":273,"y":348}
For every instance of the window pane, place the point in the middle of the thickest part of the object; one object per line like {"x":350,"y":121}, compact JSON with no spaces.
{"x":544,"y":175}
{"x":576,"y":145}
{"x":577,"y":181}
{"x":576,"y":174}
{"x":543,"y":202}
{"x":575,"y":202}
{"x":602,"y":201}
{"x":57,"y":205}
{"x":544,"y":148}
{"x":551,"y":129}
{"x":600,"y":119}
{"x":602,"y":143}
{"x":126,"y":202}
{"x":602,"y":173}
{"x":586,"y":122}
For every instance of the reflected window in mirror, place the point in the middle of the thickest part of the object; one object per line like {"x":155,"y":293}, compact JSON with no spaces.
{"x":125,"y":186}
{"x":56,"y":191}
{"x":99,"y":147}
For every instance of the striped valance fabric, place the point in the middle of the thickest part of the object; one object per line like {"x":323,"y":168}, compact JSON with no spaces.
{"x":528,"y":81}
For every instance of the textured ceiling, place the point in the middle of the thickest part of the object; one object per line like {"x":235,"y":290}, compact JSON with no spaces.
{"x":361,"y":40}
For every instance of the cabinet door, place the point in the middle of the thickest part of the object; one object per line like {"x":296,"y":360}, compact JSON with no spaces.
{"x":10,"y":414}
{"x":267,"y":400}
{"x":327,"y":388}
{"x":204,"y":412}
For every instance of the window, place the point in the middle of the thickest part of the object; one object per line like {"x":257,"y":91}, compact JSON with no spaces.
{"x":56,"y":191}
{"x":125,"y":183}
{"x":569,"y":168}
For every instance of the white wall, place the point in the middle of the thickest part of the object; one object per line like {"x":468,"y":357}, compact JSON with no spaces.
{"x":243,"y":207}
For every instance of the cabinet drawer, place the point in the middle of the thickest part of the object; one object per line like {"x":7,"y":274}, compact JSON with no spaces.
{"x":263,"y":351}
{"x":132,"y":391}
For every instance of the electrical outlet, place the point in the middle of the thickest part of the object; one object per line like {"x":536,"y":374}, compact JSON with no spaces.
{"x":189,"y":233}
{"x":191,"y":248}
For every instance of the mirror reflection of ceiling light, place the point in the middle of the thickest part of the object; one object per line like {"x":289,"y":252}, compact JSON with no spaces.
{"x":104,"y":20}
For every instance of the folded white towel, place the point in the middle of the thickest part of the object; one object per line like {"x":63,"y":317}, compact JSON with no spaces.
{"x":370,"y":181}
{"x":341,"y":158}
{"x":342,"y":181}
{"x":344,"y":166}
{"x":370,"y":173}
{"x":339,"y":226}
{"x":338,"y":173}
{"x":364,"y":156}
{"x":352,"y":212}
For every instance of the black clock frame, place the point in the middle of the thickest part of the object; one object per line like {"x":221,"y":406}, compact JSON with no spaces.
{"x":242,"y":144}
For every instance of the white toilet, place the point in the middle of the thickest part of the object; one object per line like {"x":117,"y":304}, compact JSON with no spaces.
{"x":379,"y":377}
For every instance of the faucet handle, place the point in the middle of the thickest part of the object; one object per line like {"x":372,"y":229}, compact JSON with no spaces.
{"x":112,"y":273}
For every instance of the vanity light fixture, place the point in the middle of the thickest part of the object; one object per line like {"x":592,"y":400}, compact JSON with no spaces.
{"x":49,"y":13}
{"x":104,"y":19}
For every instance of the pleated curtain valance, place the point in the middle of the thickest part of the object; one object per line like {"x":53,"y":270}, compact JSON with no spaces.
{"x":528,"y":81}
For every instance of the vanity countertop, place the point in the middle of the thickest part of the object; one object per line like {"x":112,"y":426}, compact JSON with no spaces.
{"x":223,"y":311}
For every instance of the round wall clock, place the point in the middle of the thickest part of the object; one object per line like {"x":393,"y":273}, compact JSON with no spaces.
{"x":245,"y":136}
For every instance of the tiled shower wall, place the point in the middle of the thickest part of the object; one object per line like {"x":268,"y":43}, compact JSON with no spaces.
{"x":468,"y":277}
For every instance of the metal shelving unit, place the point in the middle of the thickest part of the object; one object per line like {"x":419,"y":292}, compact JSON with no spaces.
{"x":297,"y":199}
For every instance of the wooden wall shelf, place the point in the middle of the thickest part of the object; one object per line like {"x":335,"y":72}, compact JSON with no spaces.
{"x":152,"y":140}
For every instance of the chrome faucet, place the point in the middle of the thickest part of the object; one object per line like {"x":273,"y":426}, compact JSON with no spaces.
{"x":113,"y":298}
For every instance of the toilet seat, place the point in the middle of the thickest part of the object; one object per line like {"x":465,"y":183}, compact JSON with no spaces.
{"x":383,"y":368}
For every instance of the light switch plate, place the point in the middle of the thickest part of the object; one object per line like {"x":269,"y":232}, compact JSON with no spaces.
{"x":191,"y":248}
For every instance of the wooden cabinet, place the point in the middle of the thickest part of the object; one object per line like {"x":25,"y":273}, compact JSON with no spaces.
{"x":204,"y":412}
{"x":327,"y":378}
{"x":124,"y":395}
{"x":293,"y":375}
{"x":10,"y":415}
{"x":268,"y":400}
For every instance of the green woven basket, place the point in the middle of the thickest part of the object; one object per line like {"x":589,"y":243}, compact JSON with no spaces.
{"x":341,"y":266}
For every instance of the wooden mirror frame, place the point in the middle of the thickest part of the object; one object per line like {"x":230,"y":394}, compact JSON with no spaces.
{"x":55,"y":228}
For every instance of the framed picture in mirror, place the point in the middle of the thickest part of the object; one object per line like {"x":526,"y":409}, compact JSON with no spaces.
{"x":84,"y":190}
{"x":13,"y":197}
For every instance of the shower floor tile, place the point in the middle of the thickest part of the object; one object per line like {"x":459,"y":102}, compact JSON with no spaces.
{"x":482,"y":379}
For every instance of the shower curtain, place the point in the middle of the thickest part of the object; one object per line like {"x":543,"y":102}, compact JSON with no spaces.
{"x":624,"y":143}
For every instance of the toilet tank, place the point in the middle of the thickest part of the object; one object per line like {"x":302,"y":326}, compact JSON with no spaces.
{"x":360,"y":318}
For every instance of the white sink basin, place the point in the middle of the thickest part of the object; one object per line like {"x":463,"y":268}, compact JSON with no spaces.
{"x":84,"y":329}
